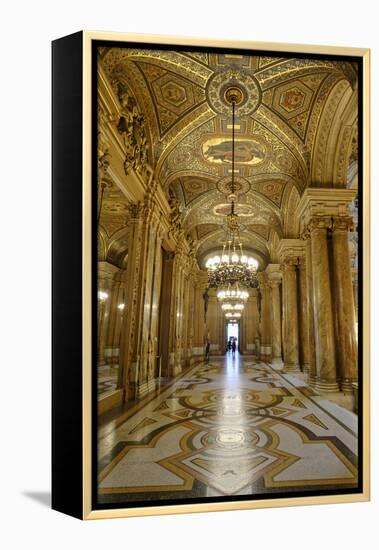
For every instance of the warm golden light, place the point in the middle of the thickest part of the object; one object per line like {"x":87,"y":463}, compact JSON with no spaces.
{"x":102,"y":296}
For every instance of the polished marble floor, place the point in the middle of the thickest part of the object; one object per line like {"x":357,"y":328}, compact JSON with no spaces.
{"x":106,"y":379}
{"x":229,"y":427}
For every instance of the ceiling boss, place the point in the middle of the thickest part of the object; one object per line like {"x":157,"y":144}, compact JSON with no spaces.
{"x":232,"y":272}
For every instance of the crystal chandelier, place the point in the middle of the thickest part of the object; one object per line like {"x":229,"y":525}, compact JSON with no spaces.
{"x":230,"y":315}
{"x":232,"y":272}
{"x":232,"y":293}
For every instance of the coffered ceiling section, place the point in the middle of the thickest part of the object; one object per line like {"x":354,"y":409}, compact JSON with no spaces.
{"x":182,"y":96}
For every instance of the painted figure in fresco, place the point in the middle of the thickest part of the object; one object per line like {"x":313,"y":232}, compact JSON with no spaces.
{"x":247,"y":152}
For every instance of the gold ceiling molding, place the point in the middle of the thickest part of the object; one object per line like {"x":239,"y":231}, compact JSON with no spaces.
{"x":193,"y":187}
{"x":324,"y":148}
{"x":286,"y":139}
{"x":198,"y":116}
{"x":318,"y":104}
{"x":261,"y":230}
{"x":166,"y":59}
{"x":210,"y":209}
{"x":288,"y":69}
{"x":290,"y":220}
{"x":205,"y":229}
{"x":283,"y":138}
{"x":173,"y":95}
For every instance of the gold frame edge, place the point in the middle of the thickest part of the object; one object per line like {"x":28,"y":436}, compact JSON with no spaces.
{"x":88,"y":513}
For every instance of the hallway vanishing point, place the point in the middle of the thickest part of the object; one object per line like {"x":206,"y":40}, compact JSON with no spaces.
{"x":228,"y":427}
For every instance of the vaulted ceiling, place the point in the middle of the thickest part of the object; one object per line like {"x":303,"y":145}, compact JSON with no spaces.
{"x":291,"y":110}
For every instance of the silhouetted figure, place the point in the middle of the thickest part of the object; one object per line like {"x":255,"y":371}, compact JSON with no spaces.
{"x":234,"y":346}
{"x":207,"y":349}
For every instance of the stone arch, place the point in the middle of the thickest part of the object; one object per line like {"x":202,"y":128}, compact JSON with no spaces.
{"x":332,"y":135}
{"x":291,"y":222}
{"x":101,"y":244}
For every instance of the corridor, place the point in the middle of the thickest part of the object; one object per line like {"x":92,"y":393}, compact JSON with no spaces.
{"x":229,"y":427}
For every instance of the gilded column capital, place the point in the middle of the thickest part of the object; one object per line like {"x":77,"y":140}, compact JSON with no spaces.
{"x":319,"y":223}
{"x":290,"y":248}
{"x":274,"y":274}
{"x":262,"y":278}
{"x":290,"y":264}
{"x":135,"y":211}
{"x":275,"y":281}
{"x":342,"y":224}
{"x":324,"y":202}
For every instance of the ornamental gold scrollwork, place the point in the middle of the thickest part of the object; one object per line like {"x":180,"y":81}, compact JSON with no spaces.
{"x":132,"y":126}
{"x":135,"y":210}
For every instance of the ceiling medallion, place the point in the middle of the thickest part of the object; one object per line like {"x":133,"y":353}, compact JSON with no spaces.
{"x":241,"y":185}
{"x":233,"y":85}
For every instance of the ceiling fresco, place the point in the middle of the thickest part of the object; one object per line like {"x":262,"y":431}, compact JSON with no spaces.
{"x":189,"y":126}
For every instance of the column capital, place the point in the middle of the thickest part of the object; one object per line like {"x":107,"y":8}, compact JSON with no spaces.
{"x":323,"y":202}
{"x":262,"y":278}
{"x":274,"y":274}
{"x":289,"y":264}
{"x":342,"y":224}
{"x":135,"y":211}
{"x":291,"y":248}
{"x":318,"y":223}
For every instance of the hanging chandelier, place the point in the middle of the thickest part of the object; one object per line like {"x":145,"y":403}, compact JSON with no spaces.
{"x":232,"y":272}
{"x":231,"y":315}
{"x":233,"y":293}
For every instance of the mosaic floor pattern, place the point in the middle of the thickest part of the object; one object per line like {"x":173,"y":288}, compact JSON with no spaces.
{"x":230,"y":427}
{"x":106,"y":379}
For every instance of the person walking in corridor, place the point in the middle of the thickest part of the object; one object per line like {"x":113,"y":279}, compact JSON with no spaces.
{"x":234,"y":346}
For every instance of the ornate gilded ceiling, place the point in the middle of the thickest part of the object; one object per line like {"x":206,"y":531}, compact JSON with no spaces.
{"x":289,"y":109}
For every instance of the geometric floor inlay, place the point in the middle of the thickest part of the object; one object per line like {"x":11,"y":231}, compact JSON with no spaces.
{"x":230,"y":427}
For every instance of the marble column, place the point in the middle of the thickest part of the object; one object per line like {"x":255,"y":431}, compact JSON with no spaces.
{"x":191,"y":318}
{"x":128,"y":368}
{"x":165,"y":306}
{"x":290,"y":317}
{"x":103,"y":315}
{"x":265,"y":320}
{"x":121,"y":314}
{"x":110,"y":337}
{"x":322,"y":303}
{"x":311,"y":327}
{"x":176,"y":313}
{"x":276,"y":323}
{"x":354,"y":279}
{"x":136,"y":346}
{"x":303,"y":317}
{"x":344,"y":302}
